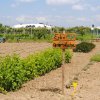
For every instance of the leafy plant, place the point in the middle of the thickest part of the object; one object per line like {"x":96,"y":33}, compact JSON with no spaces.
{"x":68,"y":55}
{"x":14,"y":71}
{"x":2,"y":90}
{"x":43,"y":62}
{"x":11,"y":73}
{"x":84,"y":47}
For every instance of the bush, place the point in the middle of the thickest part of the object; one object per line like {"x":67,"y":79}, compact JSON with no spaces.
{"x":84,"y":47}
{"x":68,"y":55}
{"x":14,"y":71}
{"x":96,"y":58}
{"x":11,"y":73}
{"x":43,"y":62}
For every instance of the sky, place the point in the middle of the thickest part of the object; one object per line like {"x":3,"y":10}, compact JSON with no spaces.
{"x":67,"y":13}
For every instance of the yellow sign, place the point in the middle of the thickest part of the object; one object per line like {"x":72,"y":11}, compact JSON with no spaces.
{"x":74,"y":84}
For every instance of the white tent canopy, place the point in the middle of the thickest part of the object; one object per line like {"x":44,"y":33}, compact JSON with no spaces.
{"x":32,"y":25}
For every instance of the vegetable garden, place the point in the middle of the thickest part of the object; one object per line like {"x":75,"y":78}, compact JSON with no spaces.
{"x":23,"y":73}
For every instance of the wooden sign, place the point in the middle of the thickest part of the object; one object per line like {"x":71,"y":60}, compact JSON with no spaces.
{"x":64,"y":40}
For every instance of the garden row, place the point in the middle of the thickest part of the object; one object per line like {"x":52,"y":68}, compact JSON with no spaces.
{"x":27,"y":34}
{"x":14,"y":71}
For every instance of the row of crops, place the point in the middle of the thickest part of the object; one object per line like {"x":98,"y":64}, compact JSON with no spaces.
{"x":14,"y":71}
{"x":27,"y":34}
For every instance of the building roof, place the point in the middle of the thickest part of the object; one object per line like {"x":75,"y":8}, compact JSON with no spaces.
{"x":34,"y":25}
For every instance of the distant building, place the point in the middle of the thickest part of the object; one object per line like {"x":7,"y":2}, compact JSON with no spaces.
{"x":40,"y":25}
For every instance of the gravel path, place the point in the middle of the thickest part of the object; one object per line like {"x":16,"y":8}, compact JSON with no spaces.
{"x":48,"y":87}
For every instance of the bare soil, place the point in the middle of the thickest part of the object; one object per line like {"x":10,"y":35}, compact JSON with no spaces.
{"x":48,"y":87}
{"x":22,"y":49}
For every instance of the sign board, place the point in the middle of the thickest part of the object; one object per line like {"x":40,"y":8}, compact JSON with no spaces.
{"x":64,"y":41}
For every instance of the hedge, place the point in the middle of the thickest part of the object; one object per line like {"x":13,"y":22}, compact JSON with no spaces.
{"x":14,"y":71}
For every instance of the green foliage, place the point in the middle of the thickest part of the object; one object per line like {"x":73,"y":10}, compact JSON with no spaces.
{"x":96,"y":58}
{"x":3,"y":91}
{"x":26,"y":34}
{"x":86,"y":37}
{"x":79,"y":30}
{"x":14,"y":71}
{"x":0,"y":25}
{"x":11,"y":73}
{"x":68,"y":55}
{"x":58,"y":29}
{"x":84,"y":47}
{"x":44,"y":62}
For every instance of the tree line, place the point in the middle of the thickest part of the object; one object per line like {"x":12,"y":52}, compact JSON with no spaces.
{"x":41,"y":33}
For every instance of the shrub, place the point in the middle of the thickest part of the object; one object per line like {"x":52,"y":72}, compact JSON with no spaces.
{"x":14,"y":71}
{"x":68,"y":55}
{"x":43,"y":62}
{"x":96,"y":58}
{"x":11,"y":73}
{"x":84,"y":47}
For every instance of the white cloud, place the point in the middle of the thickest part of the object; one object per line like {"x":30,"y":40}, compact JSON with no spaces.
{"x":27,"y":1}
{"x":30,"y":19}
{"x":18,"y":2}
{"x":41,"y":19}
{"x":14,"y":5}
{"x":74,"y":4}
{"x":23,"y":19}
{"x":58,"y":20}
{"x":61,"y":2}
{"x":95,"y":8}
{"x":83,"y":19}
{"x":78,"y":7}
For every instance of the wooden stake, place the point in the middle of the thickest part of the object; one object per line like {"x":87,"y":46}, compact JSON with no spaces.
{"x":63,"y":63}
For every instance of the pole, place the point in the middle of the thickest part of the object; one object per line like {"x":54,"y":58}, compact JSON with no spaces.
{"x":97,"y":33}
{"x":63,"y":63}
{"x":92,"y":31}
{"x":31,"y":31}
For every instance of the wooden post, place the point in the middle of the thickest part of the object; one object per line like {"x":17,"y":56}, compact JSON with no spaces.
{"x":63,"y":69}
{"x":60,"y":40}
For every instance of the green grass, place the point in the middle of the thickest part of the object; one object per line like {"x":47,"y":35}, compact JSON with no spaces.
{"x":96,"y":58}
{"x":85,"y":37}
{"x":13,"y":38}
